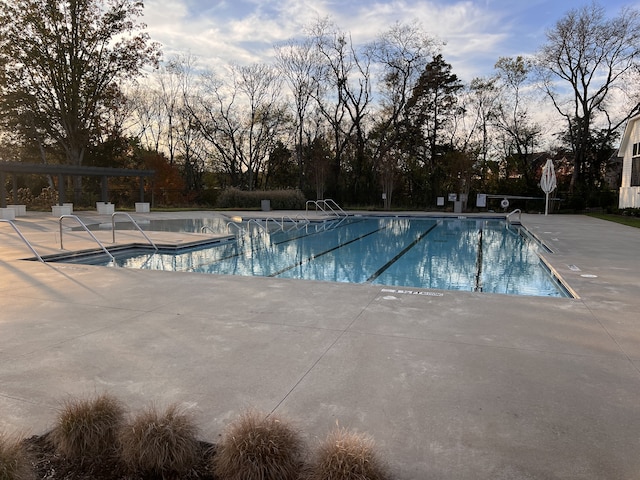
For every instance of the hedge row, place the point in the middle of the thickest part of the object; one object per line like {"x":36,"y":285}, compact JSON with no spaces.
{"x":280,"y":199}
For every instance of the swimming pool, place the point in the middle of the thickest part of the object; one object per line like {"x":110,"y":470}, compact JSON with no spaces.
{"x":472,"y":254}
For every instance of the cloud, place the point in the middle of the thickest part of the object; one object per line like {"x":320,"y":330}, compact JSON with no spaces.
{"x":475,"y":33}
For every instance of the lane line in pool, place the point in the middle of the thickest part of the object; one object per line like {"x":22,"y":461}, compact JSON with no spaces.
{"x":312,"y":257}
{"x":478,"y":279}
{"x":381,"y":270}
{"x":292,"y":239}
{"x":242,"y":254}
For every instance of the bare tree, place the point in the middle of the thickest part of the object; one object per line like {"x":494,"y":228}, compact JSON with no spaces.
{"x":145,"y":122}
{"x":298,"y":62}
{"x":343,"y":96}
{"x":260,"y":86}
{"x":213,"y":110}
{"x":241,"y":119}
{"x":520,"y":135}
{"x":593,"y":57}
{"x":479,"y":109}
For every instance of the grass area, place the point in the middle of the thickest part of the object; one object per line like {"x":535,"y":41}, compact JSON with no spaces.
{"x":624,"y":220}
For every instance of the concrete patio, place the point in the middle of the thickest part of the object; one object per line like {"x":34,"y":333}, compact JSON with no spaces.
{"x":454,"y":386}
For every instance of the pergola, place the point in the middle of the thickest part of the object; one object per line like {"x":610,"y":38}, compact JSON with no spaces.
{"x":66,"y":170}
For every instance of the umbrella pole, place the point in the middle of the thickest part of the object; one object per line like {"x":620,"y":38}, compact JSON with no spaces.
{"x":546,"y":205}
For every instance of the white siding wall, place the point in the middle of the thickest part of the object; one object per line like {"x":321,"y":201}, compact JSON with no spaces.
{"x":629,"y":196}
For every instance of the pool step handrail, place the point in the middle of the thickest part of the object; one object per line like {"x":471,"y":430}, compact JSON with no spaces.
{"x":298,"y":223}
{"x":326,"y":205}
{"x":299,"y":218}
{"x":280,"y":225}
{"x":318,"y":204}
{"x":238,"y":226}
{"x":135,"y":224}
{"x":260,"y":226}
{"x":75,"y":217}
{"x":24,"y":239}
{"x":519,"y":212}
{"x":334,"y":207}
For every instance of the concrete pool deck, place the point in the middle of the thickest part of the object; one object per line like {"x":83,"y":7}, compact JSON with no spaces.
{"x":452,"y":385}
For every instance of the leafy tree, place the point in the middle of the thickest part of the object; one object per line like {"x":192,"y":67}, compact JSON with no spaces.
{"x":595,"y":58}
{"x":432,"y":108}
{"x":282,"y":169}
{"x":402,"y":53}
{"x":61,"y":62}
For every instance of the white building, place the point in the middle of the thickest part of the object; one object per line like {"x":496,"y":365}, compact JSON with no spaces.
{"x":630,"y":152}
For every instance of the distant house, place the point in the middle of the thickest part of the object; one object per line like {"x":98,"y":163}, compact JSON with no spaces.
{"x":630,"y":152}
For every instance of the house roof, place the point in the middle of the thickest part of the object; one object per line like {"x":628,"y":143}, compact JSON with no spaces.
{"x":627,"y":135}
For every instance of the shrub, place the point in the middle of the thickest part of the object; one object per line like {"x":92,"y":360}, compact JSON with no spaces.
{"x":158,"y":443}
{"x":280,"y":199}
{"x":256,"y":446}
{"x":47,"y":197}
{"x":347,"y":455}
{"x":14,"y":461}
{"x":88,"y":427}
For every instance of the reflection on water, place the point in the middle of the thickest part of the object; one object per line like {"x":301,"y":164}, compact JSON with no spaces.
{"x":455,"y":254}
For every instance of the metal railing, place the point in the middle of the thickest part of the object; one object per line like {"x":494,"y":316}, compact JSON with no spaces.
{"x":17,"y":230}
{"x":75,"y":217}
{"x":326,"y":206}
{"x":234,"y":224}
{"x":334,"y":207}
{"x":135,"y":224}
{"x":519,"y":212}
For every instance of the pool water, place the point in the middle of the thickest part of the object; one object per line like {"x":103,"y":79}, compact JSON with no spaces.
{"x":471,"y":254}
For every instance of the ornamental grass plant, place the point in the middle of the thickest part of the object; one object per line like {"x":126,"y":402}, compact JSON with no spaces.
{"x":257,"y":446}
{"x":14,"y":461}
{"x":346,"y":455}
{"x":88,"y":427}
{"x":160,"y":443}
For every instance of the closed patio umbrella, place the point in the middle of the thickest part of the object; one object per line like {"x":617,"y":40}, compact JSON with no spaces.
{"x":548,"y":182}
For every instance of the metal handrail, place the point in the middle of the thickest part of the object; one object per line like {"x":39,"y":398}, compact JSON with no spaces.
{"x":297,"y":224}
{"x":260,"y":226}
{"x":328,"y":202}
{"x":518,"y":211}
{"x":234,"y":224}
{"x":5,"y":220}
{"x":271,"y":219}
{"x":89,"y":232}
{"x":313,"y":202}
{"x":325,"y":204}
{"x":135,"y":224}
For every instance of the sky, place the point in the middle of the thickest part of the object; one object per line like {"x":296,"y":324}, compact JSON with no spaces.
{"x":475,"y":33}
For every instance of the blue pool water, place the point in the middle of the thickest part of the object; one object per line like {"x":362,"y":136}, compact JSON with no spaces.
{"x":472,"y":254}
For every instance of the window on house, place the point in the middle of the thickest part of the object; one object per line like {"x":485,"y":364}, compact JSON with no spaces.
{"x":635,"y":172}
{"x":636,"y":149}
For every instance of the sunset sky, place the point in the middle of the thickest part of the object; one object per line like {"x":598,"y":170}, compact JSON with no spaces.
{"x":475,"y":33}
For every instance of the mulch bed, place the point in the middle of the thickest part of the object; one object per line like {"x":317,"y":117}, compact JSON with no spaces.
{"x":52,"y":466}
